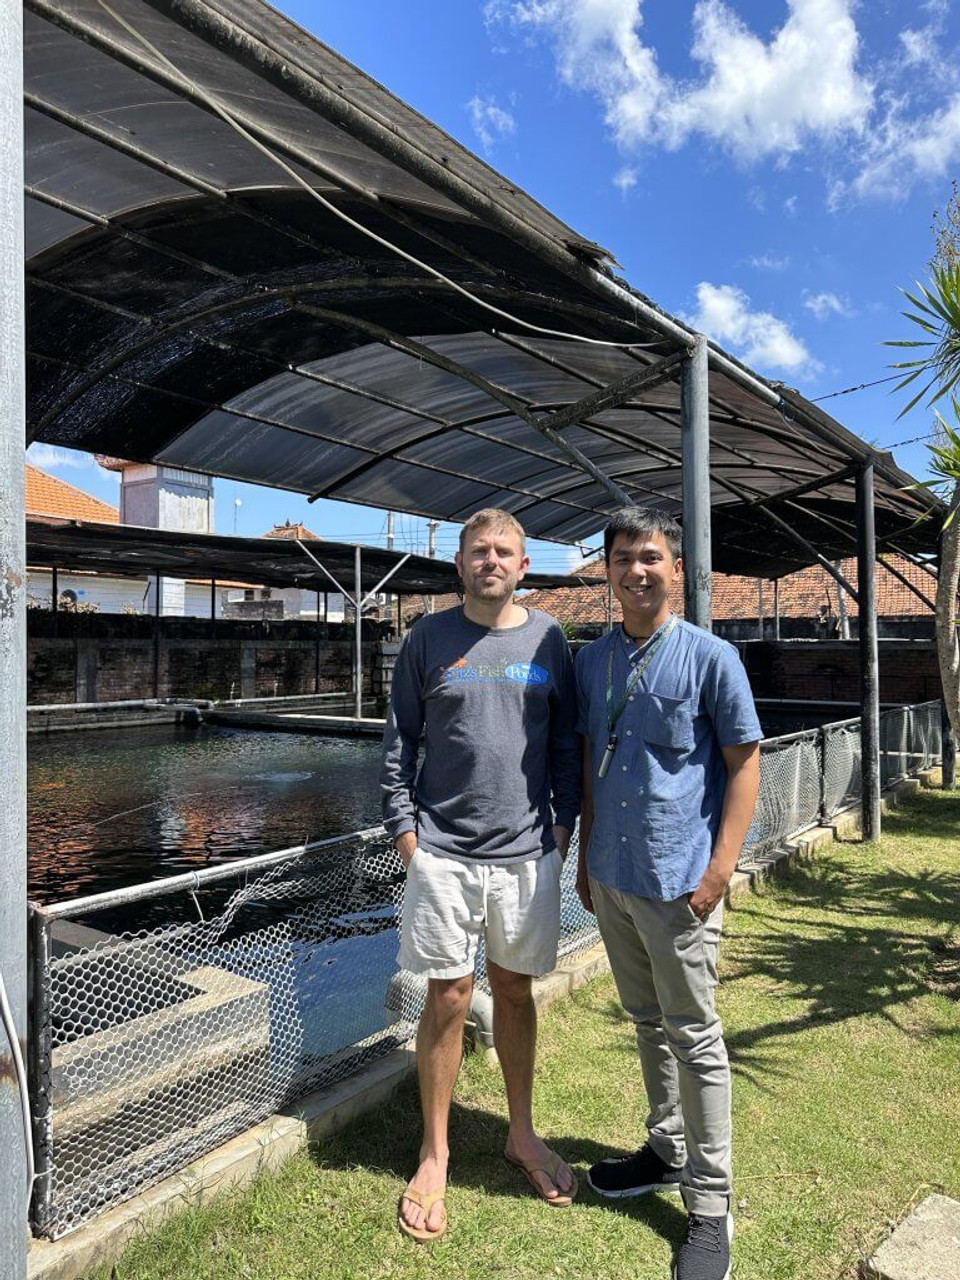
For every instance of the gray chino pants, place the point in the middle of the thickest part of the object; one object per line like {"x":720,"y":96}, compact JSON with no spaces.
{"x":664,"y":962}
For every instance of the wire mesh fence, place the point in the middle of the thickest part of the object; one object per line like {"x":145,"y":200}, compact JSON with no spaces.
{"x":169,"y":1017}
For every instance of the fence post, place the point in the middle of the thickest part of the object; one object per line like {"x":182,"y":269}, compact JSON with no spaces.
{"x":822,"y":748}
{"x":40,"y":1052}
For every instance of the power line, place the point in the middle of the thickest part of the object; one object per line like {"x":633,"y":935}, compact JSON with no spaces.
{"x":847,"y":391}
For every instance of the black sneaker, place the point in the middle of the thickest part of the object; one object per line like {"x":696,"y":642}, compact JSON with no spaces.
{"x":705,"y":1255}
{"x":634,"y":1175}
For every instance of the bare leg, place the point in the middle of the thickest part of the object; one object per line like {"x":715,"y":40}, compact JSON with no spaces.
{"x":515,"y":1038}
{"x":439,"y":1049}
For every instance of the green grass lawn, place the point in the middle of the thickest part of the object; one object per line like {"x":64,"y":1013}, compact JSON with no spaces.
{"x":839,"y":994}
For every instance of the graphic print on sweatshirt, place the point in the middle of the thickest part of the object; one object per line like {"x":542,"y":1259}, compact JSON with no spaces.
{"x":464,"y":672}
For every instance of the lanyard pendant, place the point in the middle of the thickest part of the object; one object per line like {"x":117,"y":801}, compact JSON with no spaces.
{"x":608,"y":751}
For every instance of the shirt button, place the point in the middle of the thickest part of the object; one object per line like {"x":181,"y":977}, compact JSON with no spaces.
{"x":630,"y":699}
{"x":623,"y":804}
{"x":629,"y":733}
{"x":623,"y":839}
{"x":623,"y":768}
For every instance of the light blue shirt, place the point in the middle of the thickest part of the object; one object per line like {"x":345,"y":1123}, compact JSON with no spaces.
{"x":657,"y":811}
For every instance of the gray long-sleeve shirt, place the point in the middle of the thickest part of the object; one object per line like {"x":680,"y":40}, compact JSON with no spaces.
{"x":497,"y":711}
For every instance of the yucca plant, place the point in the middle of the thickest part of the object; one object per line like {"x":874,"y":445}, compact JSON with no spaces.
{"x":937,"y":313}
{"x":937,"y":371}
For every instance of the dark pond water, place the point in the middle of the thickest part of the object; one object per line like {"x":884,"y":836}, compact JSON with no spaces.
{"x":116,"y":807}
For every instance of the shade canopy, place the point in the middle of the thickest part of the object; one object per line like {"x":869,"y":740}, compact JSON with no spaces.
{"x":215,"y":204}
{"x":129,"y":550}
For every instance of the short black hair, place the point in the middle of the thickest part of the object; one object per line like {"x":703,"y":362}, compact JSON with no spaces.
{"x":639,"y":522}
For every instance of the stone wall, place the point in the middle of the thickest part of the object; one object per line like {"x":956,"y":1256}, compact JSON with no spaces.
{"x":107,"y":658}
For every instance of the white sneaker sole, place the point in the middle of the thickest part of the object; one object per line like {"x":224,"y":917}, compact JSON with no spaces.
{"x":729,"y":1271}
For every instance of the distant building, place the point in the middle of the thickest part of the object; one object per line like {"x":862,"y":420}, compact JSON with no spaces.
{"x":269,"y":603}
{"x":145,"y":497}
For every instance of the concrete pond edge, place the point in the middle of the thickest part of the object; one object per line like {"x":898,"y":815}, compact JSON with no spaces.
{"x":269,"y":1144}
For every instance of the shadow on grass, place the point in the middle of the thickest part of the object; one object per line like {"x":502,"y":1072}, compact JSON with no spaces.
{"x":880,"y":938}
{"x":387,"y":1141}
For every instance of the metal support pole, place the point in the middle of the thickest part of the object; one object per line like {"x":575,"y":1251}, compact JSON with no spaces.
{"x":869,"y":659}
{"x":156,"y":640}
{"x":316,"y":678}
{"x":776,"y":608}
{"x":213,"y":608}
{"x":695,"y":433}
{"x":55,"y":598}
{"x":13,"y":658}
{"x":609,"y":607}
{"x":358,"y":638}
{"x":759,"y":608}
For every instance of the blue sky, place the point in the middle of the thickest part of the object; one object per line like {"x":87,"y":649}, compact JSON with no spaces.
{"x":766,"y":169}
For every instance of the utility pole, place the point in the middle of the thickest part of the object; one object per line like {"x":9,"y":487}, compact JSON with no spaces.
{"x":432,"y":553}
{"x":14,"y":1106}
{"x":389,"y":530}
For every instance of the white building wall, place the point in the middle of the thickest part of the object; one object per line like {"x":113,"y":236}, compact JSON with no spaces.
{"x":119,"y":595}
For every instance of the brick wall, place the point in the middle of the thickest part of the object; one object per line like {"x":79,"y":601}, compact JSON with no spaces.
{"x":829,"y":670}
{"x":107,"y":658}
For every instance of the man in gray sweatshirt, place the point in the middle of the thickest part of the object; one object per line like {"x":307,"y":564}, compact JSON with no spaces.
{"x":482,"y":829}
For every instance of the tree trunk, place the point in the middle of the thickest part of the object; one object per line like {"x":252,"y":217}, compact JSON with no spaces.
{"x":948,"y":583}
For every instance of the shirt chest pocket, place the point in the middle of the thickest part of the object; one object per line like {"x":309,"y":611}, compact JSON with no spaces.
{"x":669,"y":722}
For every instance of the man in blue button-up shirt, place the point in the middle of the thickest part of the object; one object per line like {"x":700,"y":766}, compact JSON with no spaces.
{"x":671,"y":773}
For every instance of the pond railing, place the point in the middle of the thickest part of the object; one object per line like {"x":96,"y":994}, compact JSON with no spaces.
{"x":243,"y":987}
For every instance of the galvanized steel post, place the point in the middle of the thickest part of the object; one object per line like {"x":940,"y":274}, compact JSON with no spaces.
{"x":695,"y":431}
{"x":869,"y":658}
{"x":13,"y":757}
{"x":358,"y":638}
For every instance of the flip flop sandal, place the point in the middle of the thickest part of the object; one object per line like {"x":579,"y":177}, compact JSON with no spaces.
{"x":551,"y":1167}
{"x":426,"y":1200}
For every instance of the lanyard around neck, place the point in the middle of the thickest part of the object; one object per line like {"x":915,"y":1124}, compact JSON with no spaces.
{"x":636,"y":675}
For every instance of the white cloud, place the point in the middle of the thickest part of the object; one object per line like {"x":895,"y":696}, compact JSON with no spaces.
{"x":625,"y":179}
{"x":491,"y":122}
{"x":768,"y":262}
{"x":753,"y":98}
{"x":903,"y":151}
{"x":760,"y":338}
{"x":919,"y":46}
{"x":48,"y":457}
{"x":824,"y":305}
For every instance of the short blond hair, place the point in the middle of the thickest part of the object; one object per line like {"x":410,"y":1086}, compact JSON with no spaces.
{"x":493,"y":518}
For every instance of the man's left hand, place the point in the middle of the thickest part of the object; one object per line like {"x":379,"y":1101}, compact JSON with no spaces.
{"x":709,"y":892}
{"x":561,"y":836}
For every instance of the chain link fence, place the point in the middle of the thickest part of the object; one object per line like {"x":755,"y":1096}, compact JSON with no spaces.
{"x":171,"y":1016}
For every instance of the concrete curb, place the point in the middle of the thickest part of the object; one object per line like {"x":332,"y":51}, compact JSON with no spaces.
{"x":266,"y":1146}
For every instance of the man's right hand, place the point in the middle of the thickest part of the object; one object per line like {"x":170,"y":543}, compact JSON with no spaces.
{"x":406,"y":845}
{"x":583,"y":889}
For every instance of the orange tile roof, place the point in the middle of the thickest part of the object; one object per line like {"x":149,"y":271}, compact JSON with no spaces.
{"x":46,"y":495}
{"x":802,"y":594}
{"x":293,"y":531}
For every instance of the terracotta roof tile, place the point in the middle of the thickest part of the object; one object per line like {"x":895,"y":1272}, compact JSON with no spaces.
{"x":46,"y":495}
{"x":300,"y":532}
{"x":802,"y":594}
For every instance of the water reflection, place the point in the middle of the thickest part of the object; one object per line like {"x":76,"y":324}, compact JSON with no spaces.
{"x":114,"y":807}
